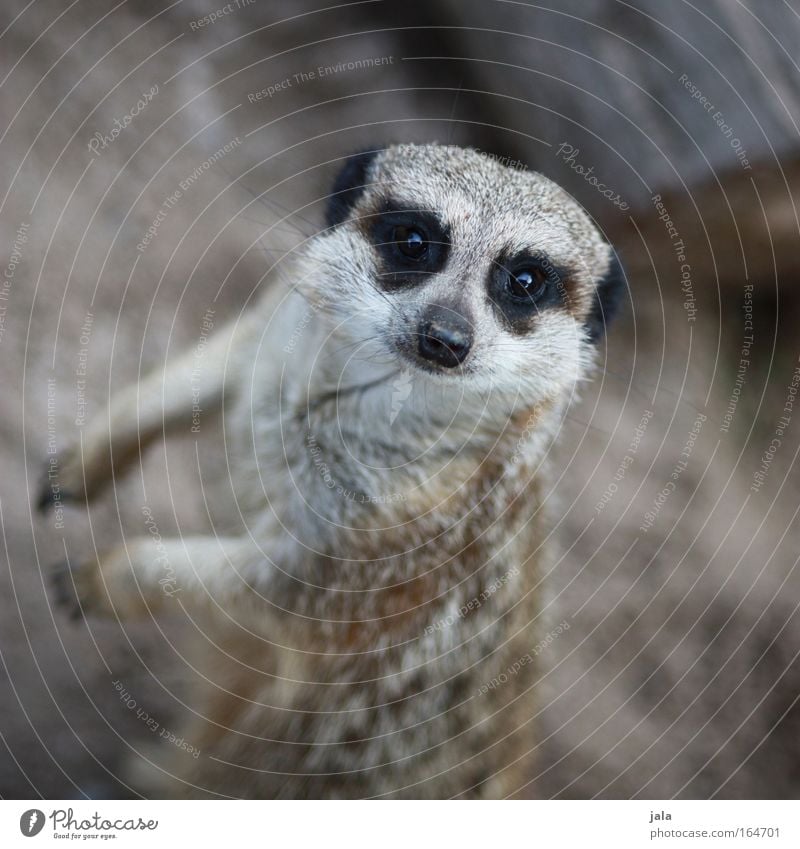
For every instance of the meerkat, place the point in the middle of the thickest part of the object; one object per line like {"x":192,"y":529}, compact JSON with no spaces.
{"x":389,"y":416}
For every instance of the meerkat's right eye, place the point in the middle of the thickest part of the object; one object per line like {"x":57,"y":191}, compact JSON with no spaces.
{"x":527,"y":284}
{"x":411,"y":242}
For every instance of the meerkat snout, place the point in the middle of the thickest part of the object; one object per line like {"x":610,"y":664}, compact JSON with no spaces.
{"x":444,"y":337}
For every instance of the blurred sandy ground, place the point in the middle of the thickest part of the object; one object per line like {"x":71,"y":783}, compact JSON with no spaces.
{"x":680,"y":673}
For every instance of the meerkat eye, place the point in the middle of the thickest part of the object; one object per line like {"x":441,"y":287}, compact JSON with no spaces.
{"x":411,"y":242}
{"x":520,"y":287}
{"x":526,"y":284}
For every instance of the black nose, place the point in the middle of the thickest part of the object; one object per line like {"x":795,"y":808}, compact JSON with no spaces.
{"x":444,"y":337}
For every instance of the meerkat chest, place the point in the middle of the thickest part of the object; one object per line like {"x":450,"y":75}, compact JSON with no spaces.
{"x":429,"y":582}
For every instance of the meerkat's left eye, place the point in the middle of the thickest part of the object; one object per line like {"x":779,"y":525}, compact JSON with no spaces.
{"x":526,"y":284}
{"x":410,"y":241}
{"x":522,"y":286}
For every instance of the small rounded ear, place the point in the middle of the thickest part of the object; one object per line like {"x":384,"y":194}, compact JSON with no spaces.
{"x":348,"y":186}
{"x":609,"y":291}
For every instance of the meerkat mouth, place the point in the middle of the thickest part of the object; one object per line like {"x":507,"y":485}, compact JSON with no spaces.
{"x":448,"y":373}
{"x":347,"y":391}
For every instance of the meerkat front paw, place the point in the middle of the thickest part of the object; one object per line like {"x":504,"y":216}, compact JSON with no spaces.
{"x":104,"y":587}
{"x":77,"y":588}
{"x":71,"y":475}
{"x":61,"y":480}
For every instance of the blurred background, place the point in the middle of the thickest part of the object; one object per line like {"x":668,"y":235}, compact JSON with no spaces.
{"x":675,"y":125}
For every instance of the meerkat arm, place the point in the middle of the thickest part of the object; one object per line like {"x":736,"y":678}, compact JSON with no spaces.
{"x":148,"y":574}
{"x":139,"y":413}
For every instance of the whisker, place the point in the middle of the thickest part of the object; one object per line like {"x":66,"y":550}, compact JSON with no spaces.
{"x":272,"y":205}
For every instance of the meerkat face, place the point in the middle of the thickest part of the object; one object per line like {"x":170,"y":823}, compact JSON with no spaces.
{"x":440,"y":260}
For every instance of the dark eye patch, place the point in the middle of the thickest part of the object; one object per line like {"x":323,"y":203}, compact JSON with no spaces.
{"x":524,"y":284}
{"x":412,"y":245}
{"x":609,"y":292}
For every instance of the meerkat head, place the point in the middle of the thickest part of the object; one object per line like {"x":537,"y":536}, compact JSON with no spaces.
{"x":441,"y":261}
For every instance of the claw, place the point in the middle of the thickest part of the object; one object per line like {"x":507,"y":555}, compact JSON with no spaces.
{"x":65,"y":592}
{"x":50,"y":494}
{"x":59,"y":575}
{"x":45,"y":499}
